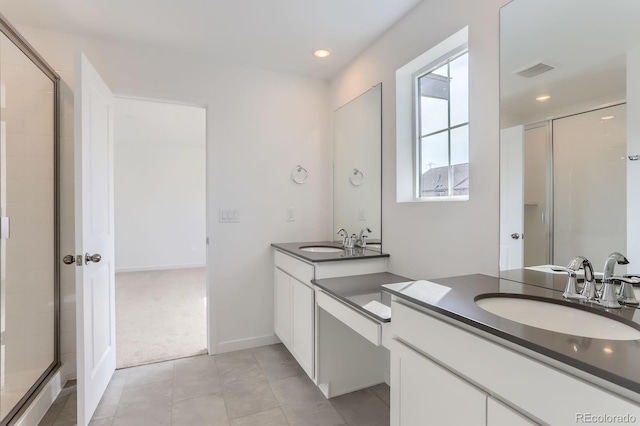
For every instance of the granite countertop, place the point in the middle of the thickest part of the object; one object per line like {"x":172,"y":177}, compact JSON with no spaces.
{"x":611,"y":360}
{"x":363,"y":292}
{"x":345,"y":254}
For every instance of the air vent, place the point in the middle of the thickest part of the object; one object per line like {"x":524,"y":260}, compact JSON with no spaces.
{"x":534,"y":70}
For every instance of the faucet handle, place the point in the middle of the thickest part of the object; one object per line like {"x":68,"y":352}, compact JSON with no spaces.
{"x":571,"y":290}
{"x":626,"y":295}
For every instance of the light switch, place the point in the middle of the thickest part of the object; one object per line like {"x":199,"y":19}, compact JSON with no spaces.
{"x":229,"y":215}
{"x":291,"y":214}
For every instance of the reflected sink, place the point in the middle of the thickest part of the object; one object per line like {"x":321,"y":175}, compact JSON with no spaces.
{"x":558,"y":317}
{"x":321,"y":249}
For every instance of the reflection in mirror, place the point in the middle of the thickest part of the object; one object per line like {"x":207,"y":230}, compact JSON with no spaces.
{"x":569,"y":78}
{"x":357,"y":166}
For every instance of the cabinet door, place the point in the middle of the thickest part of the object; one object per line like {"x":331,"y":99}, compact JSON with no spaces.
{"x":302,"y":341}
{"x":282,"y":308}
{"x":499,"y":414}
{"x":428,"y":394}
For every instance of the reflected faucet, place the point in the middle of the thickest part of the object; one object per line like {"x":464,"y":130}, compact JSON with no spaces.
{"x":626,"y":295}
{"x":608,"y":297}
{"x":361,"y":241}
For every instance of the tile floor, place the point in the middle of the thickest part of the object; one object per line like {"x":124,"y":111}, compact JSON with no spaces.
{"x":258,"y":387}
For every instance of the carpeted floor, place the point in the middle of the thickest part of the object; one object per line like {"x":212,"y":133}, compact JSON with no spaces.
{"x":160,"y":315}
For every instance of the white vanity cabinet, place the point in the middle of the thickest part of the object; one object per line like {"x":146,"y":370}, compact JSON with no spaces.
{"x":295,"y":309}
{"x":439,"y":367}
{"x":427,"y":394}
{"x":297,"y":319}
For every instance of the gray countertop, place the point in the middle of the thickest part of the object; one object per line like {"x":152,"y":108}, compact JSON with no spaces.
{"x":615,"y":361}
{"x":345,"y":254}
{"x":359,"y":291}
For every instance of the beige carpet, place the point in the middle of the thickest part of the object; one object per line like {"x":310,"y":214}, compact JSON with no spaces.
{"x":160,"y":315}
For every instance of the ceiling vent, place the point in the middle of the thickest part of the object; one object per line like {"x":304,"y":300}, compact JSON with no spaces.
{"x":534,"y":70}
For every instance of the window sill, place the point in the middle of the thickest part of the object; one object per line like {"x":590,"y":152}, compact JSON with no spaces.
{"x":438,"y":199}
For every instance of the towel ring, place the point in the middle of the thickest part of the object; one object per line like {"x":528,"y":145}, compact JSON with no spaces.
{"x":299,"y":174}
{"x":356,"y":177}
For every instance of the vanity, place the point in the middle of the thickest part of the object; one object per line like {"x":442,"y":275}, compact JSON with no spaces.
{"x":331,"y":313}
{"x":452,"y":362}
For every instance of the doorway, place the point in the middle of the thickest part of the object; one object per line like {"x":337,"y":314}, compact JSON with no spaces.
{"x":160,"y":231}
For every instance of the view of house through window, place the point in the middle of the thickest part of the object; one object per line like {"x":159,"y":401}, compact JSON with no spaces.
{"x":442,"y":128}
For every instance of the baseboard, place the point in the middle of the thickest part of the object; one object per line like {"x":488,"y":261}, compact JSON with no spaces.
{"x":252,"y":342}
{"x":159,"y":268}
{"x":40,"y":405}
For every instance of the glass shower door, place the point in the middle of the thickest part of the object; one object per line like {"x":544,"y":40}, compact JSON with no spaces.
{"x":28,"y":345}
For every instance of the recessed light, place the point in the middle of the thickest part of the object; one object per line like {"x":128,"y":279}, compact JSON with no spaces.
{"x":543,"y":98}
{"x":607,"y":117}
{"x":321,"y":53}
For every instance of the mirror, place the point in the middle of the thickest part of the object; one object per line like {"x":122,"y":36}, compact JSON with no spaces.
{"x":569,"y":78}
{"x":357,"y":166}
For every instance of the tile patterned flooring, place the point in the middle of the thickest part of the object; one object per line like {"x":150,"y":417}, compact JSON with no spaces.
{"x":256,"y":387}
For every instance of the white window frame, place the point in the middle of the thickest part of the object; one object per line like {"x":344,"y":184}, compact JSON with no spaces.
{"x":407,"y":159}
{"x":417,"y":134}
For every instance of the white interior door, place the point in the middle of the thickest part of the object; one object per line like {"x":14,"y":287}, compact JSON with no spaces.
{"x":511,"y":198}
{"x":95,"y":313}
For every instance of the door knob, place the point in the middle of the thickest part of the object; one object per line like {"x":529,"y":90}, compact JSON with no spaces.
{"x":515,"y":236}
{"x":95,"y":258}
{"x":70,"y":259}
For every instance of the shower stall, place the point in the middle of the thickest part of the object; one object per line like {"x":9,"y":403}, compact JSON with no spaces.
{"x":29,"y":288}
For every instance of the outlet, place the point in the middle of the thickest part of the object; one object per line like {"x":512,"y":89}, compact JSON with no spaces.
{"x":362,"y":214}
{"x":291,"y":214}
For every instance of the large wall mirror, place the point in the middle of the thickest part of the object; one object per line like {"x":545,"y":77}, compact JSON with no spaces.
{"x":570,"y":132}
{"x":357,"y":166}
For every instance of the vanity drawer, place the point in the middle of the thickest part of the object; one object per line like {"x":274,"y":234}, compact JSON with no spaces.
{"x":367,"y":328}
{"x":296,"y":268}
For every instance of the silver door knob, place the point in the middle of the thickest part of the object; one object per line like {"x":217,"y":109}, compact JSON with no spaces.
{"x":95,"y":258}
{"x":515,"y":236}
{"x":69,"y":259}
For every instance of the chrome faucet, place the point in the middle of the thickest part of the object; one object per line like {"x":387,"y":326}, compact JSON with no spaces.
{"x":608,"y":297}
{"x":588,"y":291}
{"x":347,"y":241}
{"x":361,"y":240}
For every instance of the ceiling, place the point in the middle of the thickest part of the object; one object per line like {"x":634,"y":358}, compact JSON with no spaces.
{"x":587,"y":42}
{"x":272,"y":34}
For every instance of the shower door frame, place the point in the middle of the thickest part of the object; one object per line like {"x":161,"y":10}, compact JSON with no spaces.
{"x":14,"y":36}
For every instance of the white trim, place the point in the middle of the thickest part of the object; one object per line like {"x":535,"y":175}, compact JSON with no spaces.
{"x":252,"y":342}
{"x":40,"y":405}
{"x":405,"y":164}
{"x":160,"y":267}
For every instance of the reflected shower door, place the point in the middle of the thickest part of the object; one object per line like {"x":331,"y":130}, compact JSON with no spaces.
{"x":590,"y":181}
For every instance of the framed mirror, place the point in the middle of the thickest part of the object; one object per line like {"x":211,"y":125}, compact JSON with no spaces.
{"x":569,"y":99}
{"x":357,"y":166}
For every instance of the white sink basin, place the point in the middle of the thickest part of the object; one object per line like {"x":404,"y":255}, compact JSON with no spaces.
{"x":321,"y":249}
{"x":558,"y":318}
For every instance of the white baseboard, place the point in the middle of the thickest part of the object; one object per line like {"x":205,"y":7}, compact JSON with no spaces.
{"x":42,"y":402}
{"x":253,"y":342}
{"x":159,"y":267}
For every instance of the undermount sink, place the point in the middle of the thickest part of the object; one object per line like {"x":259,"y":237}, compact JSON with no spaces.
{"x":321,"y":249}
{"x":556,"y":317}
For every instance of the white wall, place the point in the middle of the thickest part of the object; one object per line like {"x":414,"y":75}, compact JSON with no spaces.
{"x":260,"y":124}
{"x":428,"y":240}
{"x":160,"y":177}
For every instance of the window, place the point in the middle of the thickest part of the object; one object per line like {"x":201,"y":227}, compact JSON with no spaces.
{"x":432,"y":123}
{"x":441,"y":116}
